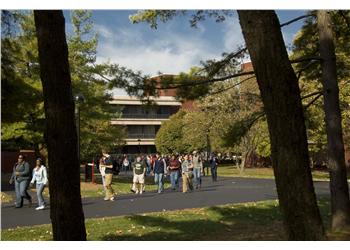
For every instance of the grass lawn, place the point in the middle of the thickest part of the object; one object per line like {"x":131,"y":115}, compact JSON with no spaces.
{"x":232,"y":171}
{"x":247,"y":221}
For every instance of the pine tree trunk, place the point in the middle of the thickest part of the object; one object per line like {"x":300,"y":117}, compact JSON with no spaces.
{"x":282,"y":104}
{"x":336,"y":160}
{"x":66,"y":210}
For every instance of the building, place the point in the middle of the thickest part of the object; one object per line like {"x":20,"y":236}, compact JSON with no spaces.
{"x":143,"y":122}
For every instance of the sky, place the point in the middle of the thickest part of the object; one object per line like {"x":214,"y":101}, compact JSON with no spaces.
{"x":174,"y":46}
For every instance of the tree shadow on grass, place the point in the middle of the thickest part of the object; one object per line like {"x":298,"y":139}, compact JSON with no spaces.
{"x":215,"y":223}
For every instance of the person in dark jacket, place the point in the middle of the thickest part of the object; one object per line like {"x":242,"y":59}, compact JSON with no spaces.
{"x":159,"y":170}
{"x":214,"y":162}
{"x":21,"y":177}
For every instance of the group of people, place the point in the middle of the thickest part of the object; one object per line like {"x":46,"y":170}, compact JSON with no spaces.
{"x":189,"y":167}
{"x":22,"y":177}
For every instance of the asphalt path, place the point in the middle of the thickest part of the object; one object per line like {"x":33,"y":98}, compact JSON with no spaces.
{"x":224,"y":191}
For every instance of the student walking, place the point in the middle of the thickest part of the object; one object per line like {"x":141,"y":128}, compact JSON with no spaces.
{"x":40,"y":177}
{"x":197,"y":169}
{"x":106,"y":162}
{"x":214,"y":167}
{"x":21,"y":177}
{"x":187,"y":174}
{"x":159,"y":170}
{"x":102,"y":169}
{"x":174,"y":169}
{"x":139,"y":170}
{"x":126,"y":163}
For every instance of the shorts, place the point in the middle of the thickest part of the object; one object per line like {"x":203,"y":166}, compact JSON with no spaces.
{"x":139,"y":178}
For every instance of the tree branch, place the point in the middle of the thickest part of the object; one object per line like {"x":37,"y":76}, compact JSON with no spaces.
{"x":312,"y":94}
{"x":235,"y":85}
{"x":306,"y":59}
{"x":207,"y":81}
{"x":313,"y":100}
{"x":295,"y":19}
{"x":304,"y":68}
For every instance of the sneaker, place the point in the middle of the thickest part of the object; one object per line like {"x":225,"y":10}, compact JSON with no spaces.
{"x":141,"y":192}
{"x":137,"y":192}
{"x":112,"y":198}
{"x":40,"y":208}
{"x":106,"y":199}
{"x":132,"y":190}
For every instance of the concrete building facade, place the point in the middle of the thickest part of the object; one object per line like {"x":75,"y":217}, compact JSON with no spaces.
{"x":143,"y":122}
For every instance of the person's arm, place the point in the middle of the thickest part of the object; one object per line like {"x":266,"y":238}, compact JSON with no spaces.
{"x":45,"y":175}
{"x":33,"y":178}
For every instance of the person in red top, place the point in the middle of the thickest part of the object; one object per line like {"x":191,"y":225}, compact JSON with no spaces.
{"x":174,"y":169}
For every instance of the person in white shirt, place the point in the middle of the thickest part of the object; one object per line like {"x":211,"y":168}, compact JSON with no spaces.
{"x":40,"y":177}
{"x":102,"y":169}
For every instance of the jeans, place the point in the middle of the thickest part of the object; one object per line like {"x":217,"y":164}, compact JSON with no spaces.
{"x":21,"y":192}
{"x":39,"y":193}
{"x":214,"y":174}
{"x":174,"y":179}
{"x":158,"y":179}
{"x":197,"y":177}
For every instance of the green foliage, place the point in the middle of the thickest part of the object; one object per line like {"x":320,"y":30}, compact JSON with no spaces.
{"x":306,"y":43}
{"x":240,"y":128}
{"x":154,"y":16}
{"x":169,"y":138}
{"x":97,"y":133}
{"x":23,"y":118}
{"x":21,"y":93}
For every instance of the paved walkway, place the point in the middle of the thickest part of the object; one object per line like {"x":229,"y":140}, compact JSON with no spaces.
{"x":224,"y":191}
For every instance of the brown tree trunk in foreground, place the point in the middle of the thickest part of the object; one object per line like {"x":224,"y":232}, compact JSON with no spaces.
{"x":340,"y":201}
{"x":66,"y":210}
{"x":282,"y":103}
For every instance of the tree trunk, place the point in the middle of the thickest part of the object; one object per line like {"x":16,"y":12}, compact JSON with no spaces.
{"x":66,"y":210}
{"x":336,"y":160}
{"x":280,"y":94}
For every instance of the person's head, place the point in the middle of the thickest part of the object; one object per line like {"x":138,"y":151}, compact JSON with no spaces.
{"x":189,"y":157}
{"x":138,"y":158}
{"x":173,"y":157}
{"x":186,"y":157}
{"x":157,"y":155}
{"x":21,"y":158}
{"x":39,"y":162}
{"x":195,"y":152}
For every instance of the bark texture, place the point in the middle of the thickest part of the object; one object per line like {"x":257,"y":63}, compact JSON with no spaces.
{"x":336,"y":160}
{"x":66,"y":211}
{"x":282,"y":104}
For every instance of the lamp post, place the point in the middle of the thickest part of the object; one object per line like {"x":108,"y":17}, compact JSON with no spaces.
{"x":79,"y":99}
{"x":139,"y":140}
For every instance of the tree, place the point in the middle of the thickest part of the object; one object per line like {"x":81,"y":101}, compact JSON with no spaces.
{"x":336,"y":162}
{"x":169,"y":138}
{"x":21,"y":87}
{"x":97,"y":132}
{"x":66,"y":210}
{"x":290,"y":160}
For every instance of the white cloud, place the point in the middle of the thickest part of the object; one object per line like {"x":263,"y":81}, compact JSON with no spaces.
{"x":233,"y":37}
{"x":103,"y":31}
{"x":165,"y":52}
